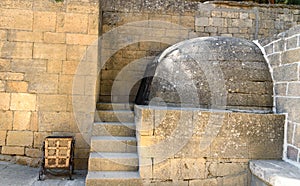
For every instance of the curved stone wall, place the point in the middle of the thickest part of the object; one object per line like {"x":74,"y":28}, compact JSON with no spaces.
{"x":283,"y":54}
{"x":215,"y":73}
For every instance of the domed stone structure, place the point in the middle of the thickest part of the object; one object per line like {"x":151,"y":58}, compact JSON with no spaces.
{"x":212,"y":73}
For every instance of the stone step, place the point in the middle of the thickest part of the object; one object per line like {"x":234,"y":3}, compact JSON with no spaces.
{"x":114,"y":129}
{"x":113,"y":144}
{"x":113,"y":178}
{"x":115,"y":106}
{"x":114,"y":116}
{"x":113,"y":162}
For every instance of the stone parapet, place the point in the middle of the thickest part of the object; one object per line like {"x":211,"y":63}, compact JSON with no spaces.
{"x":203,"y":146}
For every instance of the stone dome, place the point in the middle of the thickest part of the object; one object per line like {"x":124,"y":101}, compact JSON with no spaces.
{"x":212,"y":73}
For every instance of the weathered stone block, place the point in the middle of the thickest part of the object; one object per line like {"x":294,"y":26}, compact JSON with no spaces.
{"x":54,"y":66}
{"x":226,"y":169}
{"x":82,"y":153}
{"x":83,"y":103}
{"x":23,"y":101}
{"x":81,"y":143}
{"x":2,"y":86}
{"x":145,"y":168}
{"x":18,"y":50}
{"x":4,"y":65}
{"x":16,"y":19}
{"x":291,"y":56}
{"x":44,"y":21}
{"x":32,"y":162}
{"x":290,"y":132}
{"x":11,"y":76}
{"x":241,"y":179}
{"x":286,"y":73}
{"x":16,"y":4}
{"x":201,"y":21}
{"x":34,"y":153}
{"x":269,"y":49}
{"x":75,"y":52}
{"x":56,"y":121}
{"x":42,"y":83}
{"x":83,"y":7}
{"x":81,"y":163}
{"x":52,"y":102}
{"x":77,"y":23}
{"x":2,"y":138}
{"x":25,"y":36}
{"x":34,"y":121}
{"x":292,"y":42}
{"x":65,"y":84}
{"x":17,"y":86}
{"x":185,"y":168}
{"x":12,"y":150}
{"x":162,"y":170}
{"x":39,"y":138}
{"x":294,"y":89}
{"x":289,"y":105}
{"x":165,"y":182}
{"x":205,"y":182}
{"x":22,"y":120}
{"x":69,"y":67}
{"x":93,"y":24}
{"x":218,"y":22}
{"x":278,"y":45}
{"x":4,"y":101}
{"x":280,"y":89}
{"x":274,"y":59}
{"x":20,"y":138}
{"x":30,"y":66}
{"x":292,"y":153}
{"x":194,"y":147}
{"x":145,"y":122}
{"x":49,"y":51}
{"x":297,"y":136}
{"x":6,"y":120}
{"x":81,"y":39}
{"x":3,"y":35}
{"x":52,"y":37}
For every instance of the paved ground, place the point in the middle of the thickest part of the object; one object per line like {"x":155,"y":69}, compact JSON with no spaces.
{"x":12,"y":174}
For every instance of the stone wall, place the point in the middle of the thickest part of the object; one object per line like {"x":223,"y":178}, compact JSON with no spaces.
{"x":282,"y":53}
{"x":42,"y":91}
{"x":139,"y":30}
{"x":194,"y":147}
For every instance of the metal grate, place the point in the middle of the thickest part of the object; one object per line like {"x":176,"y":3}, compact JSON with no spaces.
{"x":57,"y":152}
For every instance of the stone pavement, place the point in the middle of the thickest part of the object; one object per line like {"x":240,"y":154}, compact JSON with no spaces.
{"x":15,"y":175}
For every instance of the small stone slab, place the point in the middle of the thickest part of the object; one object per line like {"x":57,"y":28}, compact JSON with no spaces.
{"x":275,"y":172}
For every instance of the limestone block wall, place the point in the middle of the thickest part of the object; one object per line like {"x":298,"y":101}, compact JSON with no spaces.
{"x":283,"y":54}
{"x":134,"y":32}
{"x":47,"y":82}
{"x":196,"y":147}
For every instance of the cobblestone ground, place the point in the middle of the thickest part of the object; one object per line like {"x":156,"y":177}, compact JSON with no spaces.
{"x":12,"y":174}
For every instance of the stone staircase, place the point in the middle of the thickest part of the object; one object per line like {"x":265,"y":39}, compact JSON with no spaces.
{"x":113,"y":158}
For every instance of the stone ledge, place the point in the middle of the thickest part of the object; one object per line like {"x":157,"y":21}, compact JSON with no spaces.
{"x":276,"y":172}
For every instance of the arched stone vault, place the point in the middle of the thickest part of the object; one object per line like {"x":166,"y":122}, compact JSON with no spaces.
{"x":212,"y":72}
